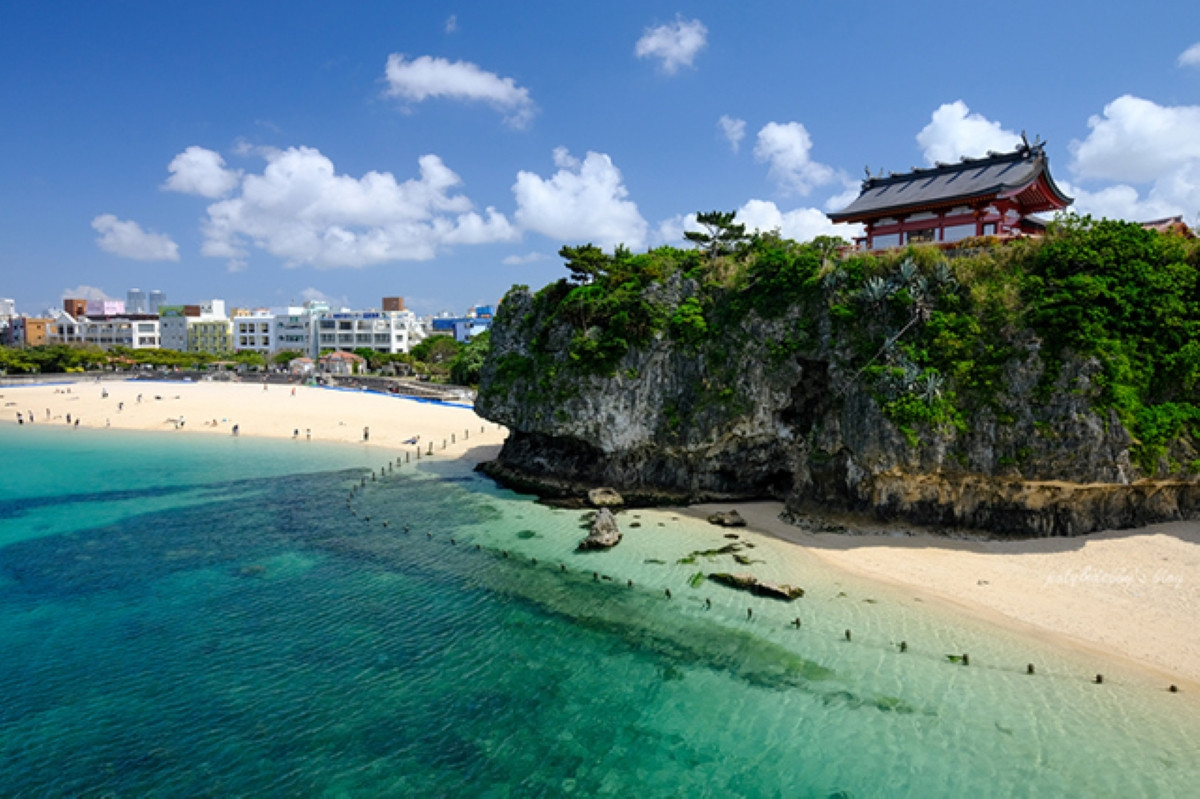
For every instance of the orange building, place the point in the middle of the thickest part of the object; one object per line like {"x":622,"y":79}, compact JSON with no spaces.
{"x":36,"y":331}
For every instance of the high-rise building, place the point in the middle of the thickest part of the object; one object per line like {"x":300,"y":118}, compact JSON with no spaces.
{"x":157,"y":300}
{"x":135,"y":301}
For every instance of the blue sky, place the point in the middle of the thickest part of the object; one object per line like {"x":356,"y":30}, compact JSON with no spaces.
{"x":268,"y":153}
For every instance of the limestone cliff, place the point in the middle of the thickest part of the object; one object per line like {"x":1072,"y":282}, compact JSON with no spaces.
{"x":796,"y":404}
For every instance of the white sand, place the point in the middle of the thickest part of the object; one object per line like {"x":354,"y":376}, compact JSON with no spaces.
{"x":277,"y":412}
{"x":1132,"y":595}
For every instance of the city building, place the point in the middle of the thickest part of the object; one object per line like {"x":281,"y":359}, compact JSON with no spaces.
{"x":945,"y":203}
{"x":196,"y":328}
{"x":253,"y":332}
{"x":136,"y":302}
{"x":382,"y":331}
{"x":105,"y":307}
{"x":296,"y":328}
{"x":75,"y":307}
{"x":135,"y":331}
{"x":463,"y":328}
{"x":393,"y":304}
{"x":213,"y":335}
{"x":157,"y":300}
{"x":8,"y":310}
{"x":32,"y":331}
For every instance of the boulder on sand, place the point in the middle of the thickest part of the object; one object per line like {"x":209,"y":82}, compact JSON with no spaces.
{"x":604,"y":534}
{"x":605,"y":498}
{"x":729,"y":518}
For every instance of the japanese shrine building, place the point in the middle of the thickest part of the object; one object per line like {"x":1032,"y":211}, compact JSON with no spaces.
{"x":945,"y":203}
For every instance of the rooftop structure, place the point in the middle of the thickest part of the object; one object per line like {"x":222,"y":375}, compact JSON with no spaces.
{"x":991,"y":196}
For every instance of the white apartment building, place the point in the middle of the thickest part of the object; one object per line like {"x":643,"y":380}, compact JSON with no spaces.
{"x":136,"y":331}
{"x":254,"y":332}
{"x":296,"y":328}
{"x":382,"y":331}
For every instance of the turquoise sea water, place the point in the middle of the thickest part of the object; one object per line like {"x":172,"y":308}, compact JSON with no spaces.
{"x":196,"y":616}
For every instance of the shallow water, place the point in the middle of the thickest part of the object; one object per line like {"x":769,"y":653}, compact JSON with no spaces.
{"x":209,"y":616}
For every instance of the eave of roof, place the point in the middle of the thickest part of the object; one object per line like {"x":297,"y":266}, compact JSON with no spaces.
{"x":971,"y":181}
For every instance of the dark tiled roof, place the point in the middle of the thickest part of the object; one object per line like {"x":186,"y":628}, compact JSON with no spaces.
{"x":948,"y":184}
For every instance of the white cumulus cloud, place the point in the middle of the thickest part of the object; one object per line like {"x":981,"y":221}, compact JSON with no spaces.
{"x":734,"y":130}
{"x":203,"y":172}
{"x":1116,"y":202}
{"x":675,"y":44}
{"x":527,"y":258}
{"x":1152,"y":152}
{"x":85,"y":292}
{"x":128,"y":240}
{"x":583,"y":201}
{"x":313,"y":294}
{"x":1137,"y":140}
{"x":1191,"y":56}
{"x":300,"y":209}
{"x":427,"y":77}
{"x":786,"y":147}
{"x":954,"y":132}
{"x":798,"y":224}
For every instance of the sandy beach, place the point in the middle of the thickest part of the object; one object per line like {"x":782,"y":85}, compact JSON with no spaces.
{"x":1131,"y":595}
{"x":278,"y":411}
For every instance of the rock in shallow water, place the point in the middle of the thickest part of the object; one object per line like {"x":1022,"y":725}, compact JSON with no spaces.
{"x":748,"y":582}
{"x":604,"y":534}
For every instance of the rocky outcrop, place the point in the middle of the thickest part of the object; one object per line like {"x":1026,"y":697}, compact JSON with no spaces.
{"x":674,"y":424}
{"x":604,"y":532}
{"x":605,"y":497}
{"x":764,"y":588}
{"x":729,"y":518}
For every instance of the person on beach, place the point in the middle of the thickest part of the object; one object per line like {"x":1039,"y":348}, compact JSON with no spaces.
{"x":308,"y":433}
{"x":366,"y":434}
{"x":68,"y":418}
{"x":20,"y":418}
{"x":235,"y":429}
{"x":120,"y":407}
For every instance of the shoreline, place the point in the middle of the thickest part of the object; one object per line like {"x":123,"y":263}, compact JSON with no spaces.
{"x":1109,"y":595}
{"x":257,"y":410}
{"x":1125,"y":596}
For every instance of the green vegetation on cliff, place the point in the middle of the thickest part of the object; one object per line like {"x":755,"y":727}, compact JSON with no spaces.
{"x":935,"y":337}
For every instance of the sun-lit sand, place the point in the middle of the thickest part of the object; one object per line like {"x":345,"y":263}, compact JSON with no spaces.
{"x":279,"y":411}
{"x":1133,"y":595}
